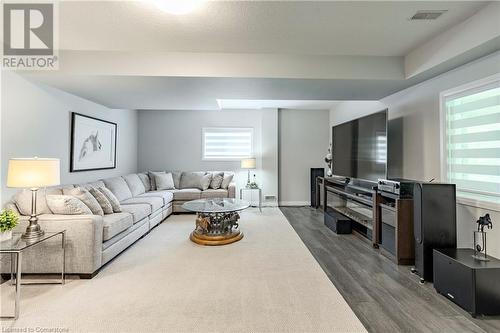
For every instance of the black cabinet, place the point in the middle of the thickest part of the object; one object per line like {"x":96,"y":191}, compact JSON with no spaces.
{"x":472,"y":284}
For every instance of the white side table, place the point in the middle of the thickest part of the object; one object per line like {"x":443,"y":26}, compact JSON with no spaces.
{"x":255,"y":190}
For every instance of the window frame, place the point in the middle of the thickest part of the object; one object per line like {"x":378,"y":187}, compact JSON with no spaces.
{"x":464,"y":89}
{"x":224,"y":158}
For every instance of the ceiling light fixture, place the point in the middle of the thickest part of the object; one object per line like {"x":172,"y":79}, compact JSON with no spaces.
{"x":178,"y":7}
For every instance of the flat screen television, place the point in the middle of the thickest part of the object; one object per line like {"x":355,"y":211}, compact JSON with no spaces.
{"x":359,"y":147}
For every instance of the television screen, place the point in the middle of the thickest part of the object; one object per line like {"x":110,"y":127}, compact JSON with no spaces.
{"x":359,"y":147}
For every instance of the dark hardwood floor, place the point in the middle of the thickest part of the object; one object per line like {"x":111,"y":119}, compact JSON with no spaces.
{"x":384,"y":296}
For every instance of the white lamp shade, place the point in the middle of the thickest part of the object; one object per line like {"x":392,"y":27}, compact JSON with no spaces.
{"x":248,"y":163}
{"x":33,"y":172}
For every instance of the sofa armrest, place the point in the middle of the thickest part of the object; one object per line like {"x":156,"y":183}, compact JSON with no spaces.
{"x":231,"y":190}
{"x":83,"y":244}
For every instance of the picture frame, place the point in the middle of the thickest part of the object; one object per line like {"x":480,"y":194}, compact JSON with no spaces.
{"x":93,"y":143}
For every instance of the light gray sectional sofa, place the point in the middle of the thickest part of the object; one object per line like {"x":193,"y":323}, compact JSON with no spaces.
{"x":93,"y":240}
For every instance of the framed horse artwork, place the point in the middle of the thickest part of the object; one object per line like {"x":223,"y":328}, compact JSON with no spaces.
{"x":93,"y":143}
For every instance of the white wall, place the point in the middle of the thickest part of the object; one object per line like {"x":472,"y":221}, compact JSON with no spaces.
{"x":417,"y":108}
{"x":36,"y":122}
{"x":171,"y":140}
{"x":303,"y":144}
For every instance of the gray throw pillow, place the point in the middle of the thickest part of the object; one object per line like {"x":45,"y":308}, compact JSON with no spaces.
{"x":228,"y":177}
{"x":152,"y":179}
{"x":192,"y":180}
{"x":87,"y":198}
{"x":217,"y":178}
{"x":117,"y":208}
{"x":205,"y":181}
{"x":67,"y":205}
{"x":164,"y":181}
{"x":102,"y":200}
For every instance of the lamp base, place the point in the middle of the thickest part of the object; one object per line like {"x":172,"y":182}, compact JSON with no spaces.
{"x":33,"y":231}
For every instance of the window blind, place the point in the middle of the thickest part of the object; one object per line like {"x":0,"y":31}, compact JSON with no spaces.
{"x":227,"y":143}
{"x":473,"y":141}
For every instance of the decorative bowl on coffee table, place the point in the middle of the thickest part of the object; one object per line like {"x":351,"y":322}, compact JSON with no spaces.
{"x":217,"y":220}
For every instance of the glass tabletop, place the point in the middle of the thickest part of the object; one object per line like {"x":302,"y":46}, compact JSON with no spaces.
{"x":16,"y":243}
{"x":218,"y":205}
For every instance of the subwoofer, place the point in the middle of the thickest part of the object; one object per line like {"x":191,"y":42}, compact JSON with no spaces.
{"x":435,"y":223}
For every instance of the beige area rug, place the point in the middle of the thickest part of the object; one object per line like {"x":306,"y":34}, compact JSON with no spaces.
{"x":267,"y":282}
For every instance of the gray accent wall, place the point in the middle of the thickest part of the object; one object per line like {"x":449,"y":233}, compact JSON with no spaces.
{"x":172,"y":140}
{"x":36,"y":122}
{"x":303,"y":144}
{"x":416,"y":110}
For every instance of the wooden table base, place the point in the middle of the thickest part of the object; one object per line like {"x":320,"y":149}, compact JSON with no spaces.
{"x":202,"y":239}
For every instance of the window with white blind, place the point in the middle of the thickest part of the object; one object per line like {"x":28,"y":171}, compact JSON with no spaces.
{"x":471,"y":140}
{"x":227,"y":143}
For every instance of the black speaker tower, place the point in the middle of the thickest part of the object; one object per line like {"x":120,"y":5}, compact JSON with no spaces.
{"x":435,"y":225}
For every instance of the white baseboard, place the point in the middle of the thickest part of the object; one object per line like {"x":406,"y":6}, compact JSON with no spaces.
{"x":294,"y":203}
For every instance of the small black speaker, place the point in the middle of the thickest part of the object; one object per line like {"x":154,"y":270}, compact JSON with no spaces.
{"x":435,"y":223}
{"x":315,"y":172}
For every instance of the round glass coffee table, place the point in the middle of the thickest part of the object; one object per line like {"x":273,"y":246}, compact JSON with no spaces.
{"x":217,"y":220}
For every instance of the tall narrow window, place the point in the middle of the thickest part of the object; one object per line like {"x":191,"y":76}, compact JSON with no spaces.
{"x":471,"y":139}
{"x":227,"y":143}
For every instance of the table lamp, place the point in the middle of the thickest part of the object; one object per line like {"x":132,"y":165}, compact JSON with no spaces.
{"x":248,"y":163}
{"x":33,"y":173}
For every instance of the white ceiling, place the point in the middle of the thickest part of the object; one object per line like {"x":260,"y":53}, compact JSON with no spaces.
{"x":130,"y":55}
{"x":280,"y":27}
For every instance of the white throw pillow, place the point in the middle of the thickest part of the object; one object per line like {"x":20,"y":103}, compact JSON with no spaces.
{"x":115,"y":203}
{"x":164,"y":181}
{"x":67,"y":205}
{"x":228,"y":177}
{"x":102,"y":200}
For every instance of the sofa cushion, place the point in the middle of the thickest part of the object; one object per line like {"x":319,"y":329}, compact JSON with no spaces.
{"x":115,"y":223}
{"x":167,"y":196}
{"x":228,"y":178}
{"x":164,"y":181}
{"x":211,"y":193}
{"x":192,"y":180}
{"x":155,"y":202}
{"x":138,"y":211}
{"x":145,"y":180}
{"x":187,"y":194}
{"x":102,"y":200}
{"x":87,"y":198}
{"x":135,"y":184}
{"x":112,"y":199}
{"x":119,"y":187}
{"x":67,"y":205}
{"x":216,"y":181}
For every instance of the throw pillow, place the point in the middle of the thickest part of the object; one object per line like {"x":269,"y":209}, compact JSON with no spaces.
{"x":67,"y":205}
{"x":205,"y":181}
{"x":192,"y":180}
{"x":102,"y":200}
{"x":87,"y":198}
{"x":152,"y":180}
{"x":164,"y":181}
{"x":117,"y":208}
{"x":228,"y":177}
{"x":217,"y":178}
{"x":145,"y":181}
{"x":22,"y":200}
